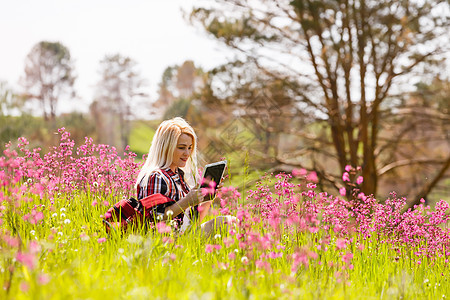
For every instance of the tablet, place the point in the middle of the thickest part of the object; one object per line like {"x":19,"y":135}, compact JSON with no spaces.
{"x":214,"y":172}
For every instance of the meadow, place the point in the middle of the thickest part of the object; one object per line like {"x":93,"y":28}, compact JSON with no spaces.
{"x":290,"y":241}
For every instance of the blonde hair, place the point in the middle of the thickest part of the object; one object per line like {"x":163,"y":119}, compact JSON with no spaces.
{"x":163,"y":145}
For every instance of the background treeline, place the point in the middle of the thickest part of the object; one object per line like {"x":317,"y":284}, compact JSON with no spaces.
{"x":314,"y":84}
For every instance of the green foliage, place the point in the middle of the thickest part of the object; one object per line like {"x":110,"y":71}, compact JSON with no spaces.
{"x":12,"y":127}
{"x":179,"y":108}
{"x":80,"y":125}
{"x":141,"y":136}
{"x":41,"y":133}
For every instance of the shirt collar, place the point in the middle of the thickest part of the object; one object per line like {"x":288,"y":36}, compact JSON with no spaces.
{"x":174,"y":175}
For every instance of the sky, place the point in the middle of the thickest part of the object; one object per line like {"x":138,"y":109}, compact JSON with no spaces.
{"x":152,"y":32}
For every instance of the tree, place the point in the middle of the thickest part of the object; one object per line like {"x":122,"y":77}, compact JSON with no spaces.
{"x":345,"y":62}
{"x":48,"y":75}
{"x":179,"y":83}
{"x":119,"y":86}
{"x":166,"y":97}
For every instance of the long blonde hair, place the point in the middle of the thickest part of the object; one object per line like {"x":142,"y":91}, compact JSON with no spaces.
{"x":163,"y":145}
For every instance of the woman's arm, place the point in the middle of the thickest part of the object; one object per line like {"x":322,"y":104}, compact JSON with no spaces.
{"x":193,"y":198}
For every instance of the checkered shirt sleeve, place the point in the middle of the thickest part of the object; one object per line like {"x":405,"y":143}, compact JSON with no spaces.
{"x":155,"y":185}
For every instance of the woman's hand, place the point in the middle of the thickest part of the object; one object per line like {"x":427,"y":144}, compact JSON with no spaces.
{"x":195,"y":196}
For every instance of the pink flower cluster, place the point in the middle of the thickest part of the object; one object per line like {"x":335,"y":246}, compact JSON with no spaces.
{"x":97,"y":170}
{"x":284,"y":207}
{"x":65,"y":169}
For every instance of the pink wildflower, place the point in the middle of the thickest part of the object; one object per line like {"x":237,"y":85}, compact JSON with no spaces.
{"x":43,"y":279}
{"x":345,"y":176}
{"x":299,"y":172}
{"x":359,"y":180}
{"x":347,"y":257}
{"x":24,"y":287}
{"x":342,"y":191}
{"x":163,"y":228}
{"x":275,"y":254}
{"x":11,"y":241}
{"x":167,"y":239}
{"x":209,"y":248}
{"x":38,"y":216}
{"x":101,"y":240}
{"x":348,"y":168}
{"x":312,"y":177}
{"x":28,"y":259}
{"x":228,"y":242}
{"x":341,"y":243}
{"x":313,"y":229}
{"x":311,"y":185}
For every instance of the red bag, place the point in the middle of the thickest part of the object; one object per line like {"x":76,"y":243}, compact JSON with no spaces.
{"x":128,"y":212}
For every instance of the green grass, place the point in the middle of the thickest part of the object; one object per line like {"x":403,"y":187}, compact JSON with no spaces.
{"x":146,"y":265}
{"x":141,"y":137}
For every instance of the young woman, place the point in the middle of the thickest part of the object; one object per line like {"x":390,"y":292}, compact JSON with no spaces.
{"x":171,"y":158}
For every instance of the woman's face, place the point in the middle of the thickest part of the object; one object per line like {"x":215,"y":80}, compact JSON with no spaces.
{"x":182,"y":151}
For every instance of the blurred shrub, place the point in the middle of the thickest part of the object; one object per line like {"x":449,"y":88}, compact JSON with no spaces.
{"x":179,"y":108}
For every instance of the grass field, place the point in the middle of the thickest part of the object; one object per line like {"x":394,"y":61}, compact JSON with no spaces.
{"x":289,"y":242}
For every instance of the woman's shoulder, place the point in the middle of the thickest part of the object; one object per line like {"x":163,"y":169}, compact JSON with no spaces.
{"x":156,"y":174}
{"x":153,"y":176}
{"x":162,"y":174}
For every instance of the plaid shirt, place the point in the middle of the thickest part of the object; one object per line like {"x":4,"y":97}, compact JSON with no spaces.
{"x":170,"y":184}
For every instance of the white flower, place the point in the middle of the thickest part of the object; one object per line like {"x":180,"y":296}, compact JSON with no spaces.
{"x":135,"y":239}
{"x":55,"y":215}
{"x":63,"y":215}
{"x":62,"y":209}
{"x":121,"y":251}
{"x":66,"y":221}
{"x":159,"y":217}
{"x":60,"y":233}
{"x":169,"y":213}
{"x":236,"y":250}
{"x":244,"y":259}
{"x":95,"y":184}
{"x":32,"y":232}
{"x":217,"y":236}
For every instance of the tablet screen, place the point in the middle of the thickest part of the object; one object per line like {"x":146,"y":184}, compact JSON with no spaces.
{"x":214,"y":172}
